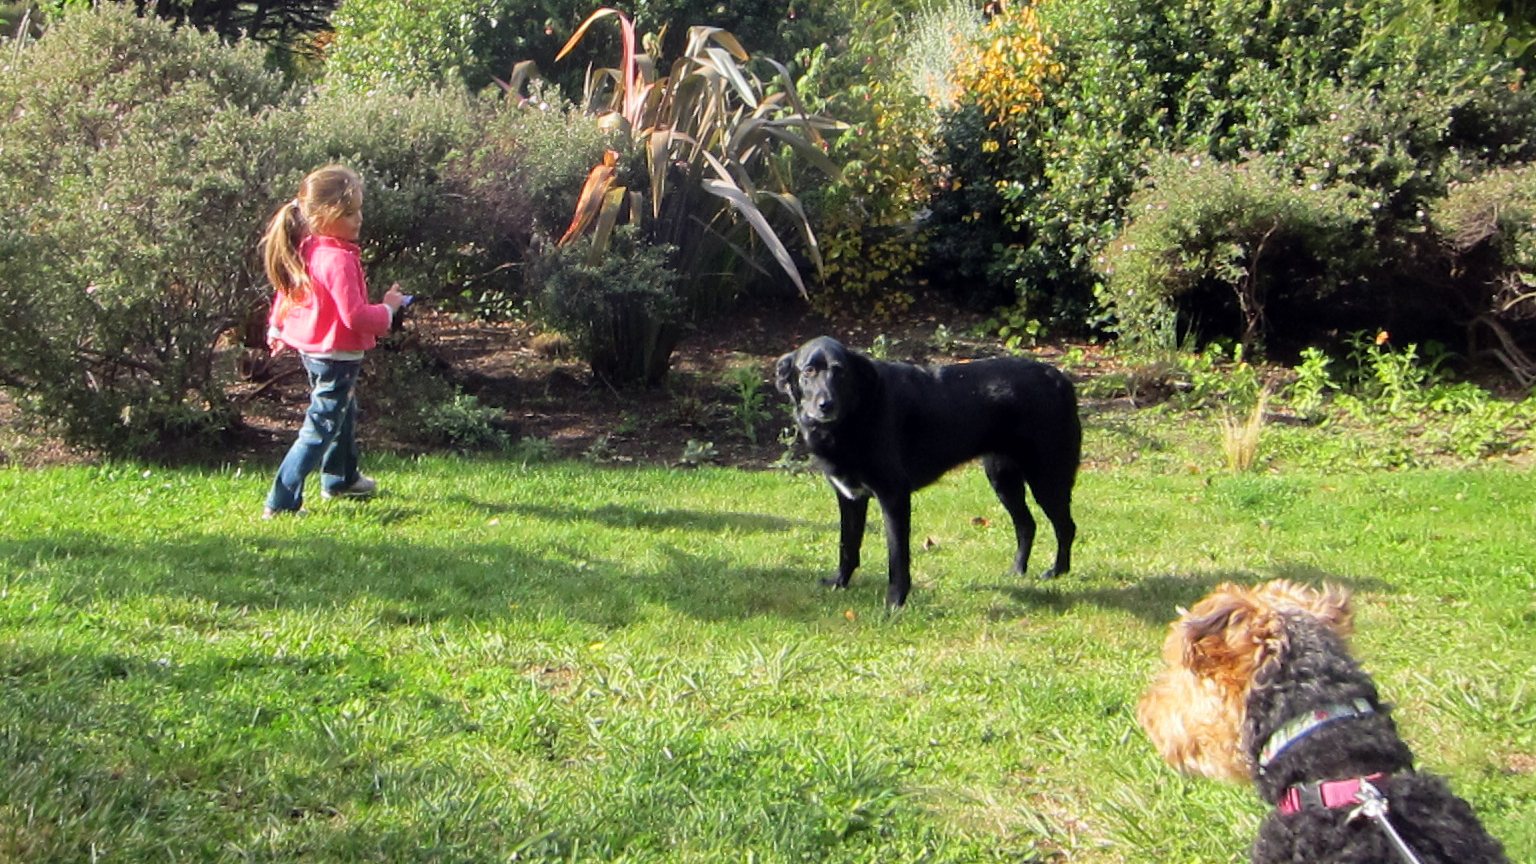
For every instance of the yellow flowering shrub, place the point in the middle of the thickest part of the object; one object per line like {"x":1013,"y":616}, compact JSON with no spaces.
{"x":1005,"y":72}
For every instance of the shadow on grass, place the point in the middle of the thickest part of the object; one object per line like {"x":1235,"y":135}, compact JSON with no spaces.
{"x":615,"y":516}
{"x":408,"y":584}
{"x":300,"y":566}
{"x":1156,"y":599}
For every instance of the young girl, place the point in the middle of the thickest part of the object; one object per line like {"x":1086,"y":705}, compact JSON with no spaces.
{"x":321,"y":310}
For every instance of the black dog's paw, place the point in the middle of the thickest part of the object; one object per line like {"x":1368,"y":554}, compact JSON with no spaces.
{"x":1048,"y":575}
{"x":835,"y":582}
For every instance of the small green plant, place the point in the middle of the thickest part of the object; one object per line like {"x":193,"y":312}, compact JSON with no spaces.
{"x":600,"y":451}
{"x":532,"y":451}
{"x":752,"y":397}
{"x":1210,"y":378}
{"x":1387,"y":392}
{"x":696,"y":453}
{"x":880,"y":347}
{"x":1016,"y":328}
{"x":1072,"y":358}
{"x":617,"y":308}
{"x":406,"y":394}
{"x":1397,"y":378}
{"x":943,"y":339}
{"x":789,"y":439}
{"x":463,"y":423}
{"x":1313,"y":381}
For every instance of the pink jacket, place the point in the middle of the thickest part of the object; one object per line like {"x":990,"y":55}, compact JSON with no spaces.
{"x":336,"y":314}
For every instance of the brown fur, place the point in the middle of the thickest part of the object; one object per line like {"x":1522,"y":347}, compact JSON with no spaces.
{"x":1194,"y":709}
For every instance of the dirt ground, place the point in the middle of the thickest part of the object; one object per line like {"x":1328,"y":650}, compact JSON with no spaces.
{"x":556,"y":399}
{"x":552,"y":402}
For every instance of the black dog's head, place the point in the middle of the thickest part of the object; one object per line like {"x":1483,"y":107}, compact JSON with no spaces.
{"x":824,"y":379}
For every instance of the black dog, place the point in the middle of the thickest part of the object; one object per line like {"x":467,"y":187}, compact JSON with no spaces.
{"x":889,"y":429}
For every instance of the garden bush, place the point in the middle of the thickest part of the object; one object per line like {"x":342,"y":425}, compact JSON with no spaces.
{"x":888,"y":82}
{"x":1384,"y":102}
{"x":1488,"y":226}
{"x":140,"y":164}
{"x":1221,"y":242}
{"x":703,"y":165}
{"x":136,"y":165}
{"x":617,"y":306}
{"x":470,"y":44}
{"x":457,"y":185}
{"x":451,"y":43}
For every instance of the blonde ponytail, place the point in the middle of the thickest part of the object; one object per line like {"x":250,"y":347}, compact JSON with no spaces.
{"x":326,"y":195}
{"x":280,"y":251}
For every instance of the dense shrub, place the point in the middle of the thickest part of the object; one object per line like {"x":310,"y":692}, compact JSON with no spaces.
{"x":1220,"y":240}
{"x":704,"y":165}
{"x":457,"y":184}
{"x":518,"y":184}
{"x":449,"y":43}
{"x":459,"y":42}
{"x":618,"y":306}
{"x":135,"y":166}
{"x":888,"y":83}
{"x":1488,"y":226}
{"x":1383,"y":102}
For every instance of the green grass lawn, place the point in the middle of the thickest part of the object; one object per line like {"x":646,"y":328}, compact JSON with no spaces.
{"x":561,"y":662}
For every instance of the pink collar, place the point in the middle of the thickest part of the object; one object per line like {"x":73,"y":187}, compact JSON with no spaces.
{"x":1327,"y":793}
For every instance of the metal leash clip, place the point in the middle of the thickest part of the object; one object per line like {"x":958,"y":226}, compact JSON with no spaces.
{"x":1374,"y":806}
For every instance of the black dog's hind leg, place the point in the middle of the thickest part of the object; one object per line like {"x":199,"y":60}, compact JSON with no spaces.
{"x":1055,"y":499}
{"x":897,"y":509}
{"x":1007,"y":480}
{"x":853,"y":515}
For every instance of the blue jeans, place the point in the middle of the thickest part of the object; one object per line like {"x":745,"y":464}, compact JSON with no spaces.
{"x":328,"y":438}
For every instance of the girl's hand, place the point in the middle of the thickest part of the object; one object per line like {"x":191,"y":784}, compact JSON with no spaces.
{"x":394,"y":297}
{"x":276,"y":346}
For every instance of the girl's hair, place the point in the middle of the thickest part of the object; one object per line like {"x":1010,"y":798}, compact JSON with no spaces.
{"x":326,"y":195}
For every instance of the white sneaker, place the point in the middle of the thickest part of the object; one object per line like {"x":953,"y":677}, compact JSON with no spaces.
{"x":362,"y":487}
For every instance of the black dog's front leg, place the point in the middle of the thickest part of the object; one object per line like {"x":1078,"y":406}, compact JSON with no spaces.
{"x":897,"y":508}
{"x":853,"y":515}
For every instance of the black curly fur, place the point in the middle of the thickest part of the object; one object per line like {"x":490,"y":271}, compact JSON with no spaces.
{"x":1315,"y":670}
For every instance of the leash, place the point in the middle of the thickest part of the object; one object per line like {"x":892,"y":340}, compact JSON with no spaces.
{"x":1374,"y":806}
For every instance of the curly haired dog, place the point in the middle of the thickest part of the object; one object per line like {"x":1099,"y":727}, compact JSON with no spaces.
{"x":1260,"y":686}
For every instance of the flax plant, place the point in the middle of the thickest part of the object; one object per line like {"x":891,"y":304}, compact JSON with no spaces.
{"x":716,"y":143}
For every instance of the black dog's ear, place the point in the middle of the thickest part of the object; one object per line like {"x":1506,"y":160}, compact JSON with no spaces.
{"x":787,"y":381}
{"x":864,"y":369}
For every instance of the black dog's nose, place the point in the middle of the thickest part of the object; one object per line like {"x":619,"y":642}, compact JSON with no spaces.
{"x":824,"y":406}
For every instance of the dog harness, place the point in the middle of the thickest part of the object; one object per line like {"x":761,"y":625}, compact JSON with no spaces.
{"x":1302,"y":725}
{"x":1332,"y":794}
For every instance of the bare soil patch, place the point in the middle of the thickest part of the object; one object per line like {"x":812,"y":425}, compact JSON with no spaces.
{"x":558,"y":400}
